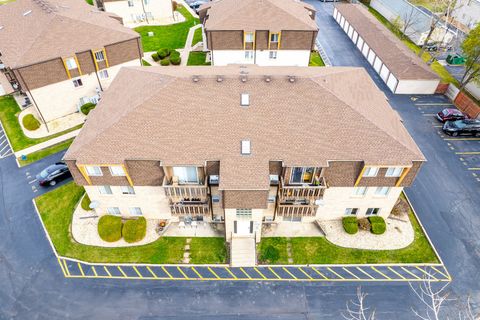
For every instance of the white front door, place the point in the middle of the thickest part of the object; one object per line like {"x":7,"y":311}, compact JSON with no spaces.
{"x":243,"y":227}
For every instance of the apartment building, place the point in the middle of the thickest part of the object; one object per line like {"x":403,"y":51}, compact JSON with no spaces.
{"x":244,"y":146}
{"x":262,"y":32}
{"x":139,"y":12}
{"x":62,"y":54}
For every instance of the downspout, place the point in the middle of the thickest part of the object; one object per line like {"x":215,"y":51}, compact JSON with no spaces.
{"x":140,"y":55}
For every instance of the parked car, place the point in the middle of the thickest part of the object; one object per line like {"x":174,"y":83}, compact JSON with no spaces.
{"x":462,"y":127}
{"x":195,"y":5}
{"x":450,"y":114}
{"x":430,"y":47}
{"x":53,"y":174}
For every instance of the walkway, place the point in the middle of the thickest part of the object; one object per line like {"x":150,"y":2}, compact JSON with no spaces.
{"x":242,"y":252}
{"x":47,"y":143}
{"x":188,"y":44}
{"x":55,"y":126}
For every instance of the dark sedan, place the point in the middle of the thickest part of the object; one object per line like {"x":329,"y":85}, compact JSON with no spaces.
{"x":53,"y":174}
{"x":451,"y":114}
{"x":462,"y":127}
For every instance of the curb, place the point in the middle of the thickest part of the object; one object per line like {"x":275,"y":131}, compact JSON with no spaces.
{"x":9,"y":144}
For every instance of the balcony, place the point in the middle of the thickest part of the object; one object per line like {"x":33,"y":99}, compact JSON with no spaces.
{"x":189,"y":209}
{"x":288,"y":210}
{"x":309,"y":192}
{"x":181,"y":192}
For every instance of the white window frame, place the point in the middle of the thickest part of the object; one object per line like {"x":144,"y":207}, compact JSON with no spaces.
{"x":274,"y":178}
{"x":382,"y":191}
{"x":94,"y":171}
{"x":135,"y":211}
{"x":99,"y":56}
{"x":114,"y":211}
{"x":370,"y":172}
{"x":77,"y":82}
{"x":394,"y":172}
{"x":181,"y":173}
{"x":127,"y":190}
{"x":351,"y":211}
{"x":215,"y":199}
{"x":103,"y":74}
{"x":272,"y":55}
{"x":243,"y":213}
{"x":274,"y":37}
{"x":104,"y":190}
{"x":71,"y":63}
{"x":249,"y":54}
{"x":249,"y":37}
{"x":359,"y":191}
{"x":117,"y":171}
{"x":371,"y":212}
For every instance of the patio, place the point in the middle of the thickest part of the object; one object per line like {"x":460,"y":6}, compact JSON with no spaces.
{"x":291,"y":229}
{"x":195,"y":229}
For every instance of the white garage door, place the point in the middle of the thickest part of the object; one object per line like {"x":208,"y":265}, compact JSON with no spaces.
{"x":342,"y":22}
{"x":365,"y":50}
{"x":360,"y":43}
{"x":335,"y":12}
{"x":355,"y":37}
{"x":350,"y":32}
{"x":384,"y":72}
{"x":345,"y":26}
{"x":371,"y":57}
{"x":339,"y":17}
{"x":377,"y":65}
{"x":392,"y":82}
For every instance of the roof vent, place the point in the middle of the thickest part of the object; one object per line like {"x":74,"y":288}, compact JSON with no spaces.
{"x":26,"y":13}
{"x":246,"y":147}
{"x":243,"y":78}
{"x":1,"y":28}
{"x":291,"y":79}
{"x":244,"y":99}
{"x":195,"y":78}
{"x":268,"y":78}
{"x":219,"y":78}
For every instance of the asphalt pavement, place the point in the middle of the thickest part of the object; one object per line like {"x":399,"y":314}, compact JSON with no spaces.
{"x":445,"y":196}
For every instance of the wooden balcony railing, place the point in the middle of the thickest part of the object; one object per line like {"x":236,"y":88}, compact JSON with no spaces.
{"x":180,"y":192}
{"x":304,"y":191}
{"x":179,"y":209}
{"x":286,"y":210}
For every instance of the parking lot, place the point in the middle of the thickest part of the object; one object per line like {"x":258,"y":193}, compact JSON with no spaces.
{"x":5,"y":149}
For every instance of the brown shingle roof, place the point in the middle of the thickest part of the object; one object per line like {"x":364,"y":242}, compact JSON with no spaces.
{"x":250,"y":15}
{"x":38,"y":30}
{"x":325,"y":114}
{"x":401,"y":61}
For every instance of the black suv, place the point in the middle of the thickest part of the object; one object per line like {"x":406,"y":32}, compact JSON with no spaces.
{"x":53,"y":174}
{"x":462,"y":127}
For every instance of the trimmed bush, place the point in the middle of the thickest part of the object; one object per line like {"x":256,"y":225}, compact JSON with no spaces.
{"x":174,"y":53}
{"x":155,"y":57}
{"x":175,"y":60}
{"x":110,"y":228}
{"x":350,"y":225}
{"x":271,"y":254}
{"x":134,"y":230}
{"x":30,"y":122}
{"x":86,"y":203}
{"x":87,"y":107}
{"x":164,"y":62}
{"x":378,"y":224}
{"x":163,"y":53}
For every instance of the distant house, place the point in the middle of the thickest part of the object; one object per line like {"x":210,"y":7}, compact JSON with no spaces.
{"x":134,"y":12}
{"x":61,"y":54}
{"x":262,"y":32}
{"x":418,"y":21}
{"x":467,"y":12}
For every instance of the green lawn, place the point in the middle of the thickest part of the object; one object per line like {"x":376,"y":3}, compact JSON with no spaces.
{"x":316,"y":60}
{"x":90,"y":2}
{"x":197,"y":36}
{"x":197,"y":58}
{"x":145,"y":63}
{"x":273,"y":251}
{"x":40,"y":154}
{"x":56,"y":208}
{"x":171,"y":36}
{"x":208,"y":250}
{"x":9,"y":111}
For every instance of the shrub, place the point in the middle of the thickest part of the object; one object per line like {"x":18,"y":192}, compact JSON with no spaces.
{"x":155,"y":56}
{"x":364,"y":224}
{"x":110,"y":228}
{"x":163,"y":53}
{"x":87,"y":107}
{"x":174,"y":53}
{"x":164,"y":62}
{"x":401,"y":208}
{"x":86,"y":202}
{"x":378,"y":225}
{"x":270,"y":255}
{"x":175,"y":60}
{"x":134,"y":230}
{"x":30,"y":122}
{"x":350,"y":225}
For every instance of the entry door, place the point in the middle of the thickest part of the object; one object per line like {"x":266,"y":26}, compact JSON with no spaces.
{"x":243,"y":227}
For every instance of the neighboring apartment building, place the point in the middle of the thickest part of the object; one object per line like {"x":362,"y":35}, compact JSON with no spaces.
{"x":138,"y":12}
{"x":244,"y":146}
{"x":62,"y":54}
{"x":467,"y":12}
{"x":262,"y":32}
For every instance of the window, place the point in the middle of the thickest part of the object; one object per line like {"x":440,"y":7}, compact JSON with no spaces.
{"x":372,"y":211}
{"x":246,"y":147}
{"x":302,"y":174}
{"x":94,"y":171}
{"x":146,"y":2}
{"x":274,"y":179}
{"x":394,"y":172}
{"x":249,"y":54}
{"x":351,"y":211}
{"x":117,"y":171}
{"x":113,"y":210}
{"x":271,"y":199}
{"x":382,"y":191}
{"x":103,"y":74}
{"x":215,"y":199}
{"x":105,"y":190}
{"x":127,"y":190}
{"x":71,"y":63}
{"x":359,"y":191}
{"x":130,"y":3}
{"x":273,"y":37}
{"x":77,"y":82}
{"x":272,"y":55}
{"x":135,"y":211}
{"x":244,"y":213}
{"x":214,"y":179}
{"x":249,"y":37}
{"x":370,"y":172}
{"x":99,"y":54}
{"x":186,"y":174}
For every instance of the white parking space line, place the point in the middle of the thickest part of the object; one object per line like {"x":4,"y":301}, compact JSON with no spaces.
{"x":33,"y":181}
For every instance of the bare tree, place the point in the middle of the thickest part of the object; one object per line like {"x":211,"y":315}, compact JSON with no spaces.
{"x":467,"y":312}
{"x":405,"y":23}
{"x":357,"y":310}
{"x":432,"y":295}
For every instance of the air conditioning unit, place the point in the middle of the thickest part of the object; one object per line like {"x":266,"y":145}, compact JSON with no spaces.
{"x":214,"y":179}
{"x":2,"y":66}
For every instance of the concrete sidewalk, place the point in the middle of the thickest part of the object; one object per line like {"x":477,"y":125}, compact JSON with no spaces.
{"x":47,"y":143}
{"x":188,"y":44}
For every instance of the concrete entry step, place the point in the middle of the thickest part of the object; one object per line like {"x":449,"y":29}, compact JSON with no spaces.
{"x":242,"y":252}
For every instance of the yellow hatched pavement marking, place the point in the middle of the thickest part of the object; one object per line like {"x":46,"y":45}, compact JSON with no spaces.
{"x":398,"y":274}
{"x":286,"y":270}
{"x":353,"y":274}
{"x":94,"y":271}
{"x":151,"y":271}
{"x":276,"y":275}
{"x":108,"y":272}
{"x":231,"y":273}
{"x":330,"y":269}
{"x":61,"y":267}
{"x":81,"y":269}
{"x":314,"y":269}
{"x":261,"y":274}
{"x":197,"y":273}
{"x":120,"y":269}
{"x":426,"y":273}
{"x":380,"y":272}
{"x":245,"y":273}
{"x":365,"y":273}
{"x":413,"y":274}
{"x":300,"y":268}
{"x":138,"y":272}
{"x":168,"y":273}
{"x":183,"y":273}
{"x":66,"y":267}
{"x":468,"y":153}
{"x":213,"y":272}
{"x":443,"y":274}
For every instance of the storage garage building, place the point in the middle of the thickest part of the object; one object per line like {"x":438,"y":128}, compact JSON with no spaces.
{"x":397,"y":65}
